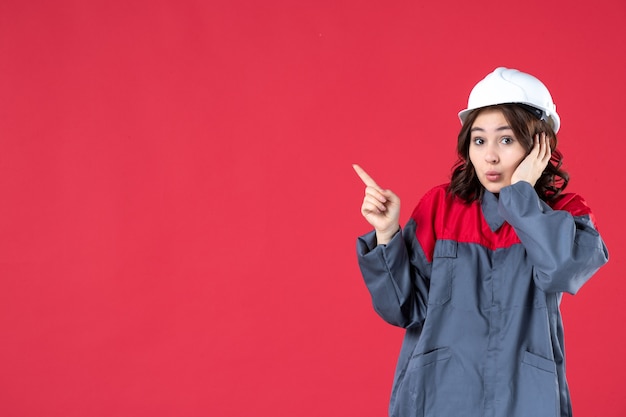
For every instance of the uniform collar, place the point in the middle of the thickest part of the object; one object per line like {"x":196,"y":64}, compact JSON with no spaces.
{"x":489,"y":206}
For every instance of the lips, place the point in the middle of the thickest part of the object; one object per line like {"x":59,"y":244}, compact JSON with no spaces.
{"x":493,"y":176}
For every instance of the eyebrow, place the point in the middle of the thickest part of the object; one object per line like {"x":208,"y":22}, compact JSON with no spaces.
{"x":480,"y":129}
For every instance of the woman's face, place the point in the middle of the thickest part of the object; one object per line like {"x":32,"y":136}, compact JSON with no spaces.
{"x":494,"y":150}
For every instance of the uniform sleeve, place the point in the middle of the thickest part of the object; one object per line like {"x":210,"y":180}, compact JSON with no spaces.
{"x":563,"y":244}
{"x":397,"y":274}
{"x":398,"y":289}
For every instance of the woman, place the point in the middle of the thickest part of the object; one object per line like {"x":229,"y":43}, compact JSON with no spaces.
{"x":477,"y":274}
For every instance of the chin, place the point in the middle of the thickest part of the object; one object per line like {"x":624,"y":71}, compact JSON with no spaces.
{"x":493,"y":188}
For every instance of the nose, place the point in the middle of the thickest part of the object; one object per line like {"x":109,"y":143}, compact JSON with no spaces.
{"x":491,"y":155}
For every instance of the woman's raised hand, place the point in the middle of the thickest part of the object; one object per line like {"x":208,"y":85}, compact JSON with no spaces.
{"x":381,"y":208}
{"x":531,"y":168}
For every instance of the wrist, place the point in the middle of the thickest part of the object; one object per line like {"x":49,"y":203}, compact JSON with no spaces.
{"x":384,"y":236}
{"x":515,"y":181}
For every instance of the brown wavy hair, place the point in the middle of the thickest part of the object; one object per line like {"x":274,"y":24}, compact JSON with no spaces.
{"x":525,"y":125}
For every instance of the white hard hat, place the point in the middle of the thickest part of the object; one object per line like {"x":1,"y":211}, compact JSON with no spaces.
{"x":506,"y":85}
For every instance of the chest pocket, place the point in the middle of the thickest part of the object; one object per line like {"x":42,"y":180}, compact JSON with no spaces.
{"x":442,"y":272}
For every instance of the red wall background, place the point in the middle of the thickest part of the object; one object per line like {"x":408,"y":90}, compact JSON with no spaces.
{"x":179,"y":210}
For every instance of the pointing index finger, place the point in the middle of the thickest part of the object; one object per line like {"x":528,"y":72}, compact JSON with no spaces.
{"x":367,"y":180}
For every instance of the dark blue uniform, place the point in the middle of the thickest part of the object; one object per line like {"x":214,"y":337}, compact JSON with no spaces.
{"x":477,"y":287}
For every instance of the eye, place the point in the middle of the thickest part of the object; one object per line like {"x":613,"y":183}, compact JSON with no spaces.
{"x":478,"y":141}
{"x":507,"y":140}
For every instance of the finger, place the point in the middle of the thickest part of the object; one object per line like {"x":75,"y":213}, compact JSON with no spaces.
{"x":545,"y":147}
{"x":390,"y":196}
{"x":367,"y":180}
{"x":372,"y":206}
{"x":376,"y":194}
{"x":536,"y":146}
{"x":542,"y":145}
{"x":548,"y":148}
